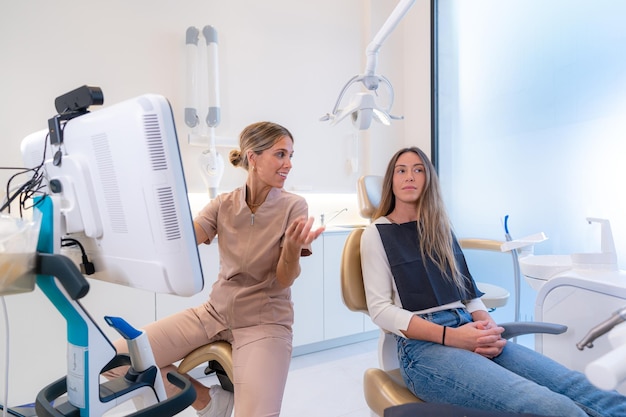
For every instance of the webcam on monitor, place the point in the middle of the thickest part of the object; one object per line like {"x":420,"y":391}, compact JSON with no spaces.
{"x":71,"y":105}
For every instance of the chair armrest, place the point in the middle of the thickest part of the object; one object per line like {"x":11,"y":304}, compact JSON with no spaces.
{"x":528,"y":327}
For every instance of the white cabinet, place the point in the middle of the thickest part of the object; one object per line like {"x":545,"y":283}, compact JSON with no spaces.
{"x":339,"y":321}
{"x":321,"y":318}
{"x":307,"y":294}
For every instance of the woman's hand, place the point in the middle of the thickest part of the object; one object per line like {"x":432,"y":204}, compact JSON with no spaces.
{"x":484,"y":321}
{"x":490,"y":350}
{"x":482,"y":337}
{"x":299,"y":232}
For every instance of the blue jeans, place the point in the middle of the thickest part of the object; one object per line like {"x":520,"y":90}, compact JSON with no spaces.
{"x":518,"y":380}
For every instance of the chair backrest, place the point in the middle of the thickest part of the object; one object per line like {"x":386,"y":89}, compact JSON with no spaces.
{"x":353,"y":294}
{"x":369,"y":190}
{"x":352,"y":289}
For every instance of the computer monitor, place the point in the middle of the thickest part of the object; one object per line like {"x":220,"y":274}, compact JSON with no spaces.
{"x":116,"y":177}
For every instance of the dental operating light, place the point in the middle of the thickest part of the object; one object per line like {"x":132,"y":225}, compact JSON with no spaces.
{"x":364,"y":106}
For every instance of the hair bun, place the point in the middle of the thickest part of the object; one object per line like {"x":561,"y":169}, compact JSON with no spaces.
{"x":235,"y":157}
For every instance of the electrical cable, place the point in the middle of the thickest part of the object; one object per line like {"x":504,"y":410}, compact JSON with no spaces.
{"x":23,"y":191}
{"x":29,"y":188}
{"x":86,"y":267}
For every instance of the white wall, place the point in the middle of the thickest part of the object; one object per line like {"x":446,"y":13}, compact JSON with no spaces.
{"x":280,"y":60}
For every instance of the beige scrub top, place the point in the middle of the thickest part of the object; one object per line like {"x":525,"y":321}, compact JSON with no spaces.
{"x":246,"y":292}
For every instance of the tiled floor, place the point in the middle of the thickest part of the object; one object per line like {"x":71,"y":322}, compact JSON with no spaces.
{"x":330,"y":383}
{"x":321,"y":384}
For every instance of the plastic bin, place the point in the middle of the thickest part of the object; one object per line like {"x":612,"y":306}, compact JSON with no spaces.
{"x":18,"y":251}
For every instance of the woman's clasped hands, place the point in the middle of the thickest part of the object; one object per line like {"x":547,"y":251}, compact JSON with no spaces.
{"x":482,"y":337}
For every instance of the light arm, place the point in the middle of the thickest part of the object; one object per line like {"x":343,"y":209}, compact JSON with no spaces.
{"x":363,"y":107}
{"x":390,"y":24}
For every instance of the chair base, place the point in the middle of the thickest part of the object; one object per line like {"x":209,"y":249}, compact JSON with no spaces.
{"x":445,"y":410}
{"x":219,"y":358}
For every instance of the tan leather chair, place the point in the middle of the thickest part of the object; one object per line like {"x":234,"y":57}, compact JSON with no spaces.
{"x":383,"y":387}
{"x":219,"y":359}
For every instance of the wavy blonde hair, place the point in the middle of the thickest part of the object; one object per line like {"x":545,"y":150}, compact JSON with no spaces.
{"x":433,"y":225}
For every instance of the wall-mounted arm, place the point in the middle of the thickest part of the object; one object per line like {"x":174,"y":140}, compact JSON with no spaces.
{"x":363,"y":107}
{"x":370,"y":80}
{"x":191,"y":48}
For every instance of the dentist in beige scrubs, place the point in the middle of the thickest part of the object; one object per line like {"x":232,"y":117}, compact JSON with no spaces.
{"x":263,"y":231}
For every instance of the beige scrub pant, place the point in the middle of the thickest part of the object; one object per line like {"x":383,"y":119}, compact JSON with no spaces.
{"x":261,"y":357}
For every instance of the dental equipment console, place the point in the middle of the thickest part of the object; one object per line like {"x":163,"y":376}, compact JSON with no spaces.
{"x":573,"y":290}
{"x":115,"y":183}
{"x":609,"y":370}
{"x":616,"y":318}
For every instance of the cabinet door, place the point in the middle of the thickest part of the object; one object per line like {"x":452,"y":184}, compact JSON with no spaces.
{"x":338,"y":319}
{"x":307,"y":294}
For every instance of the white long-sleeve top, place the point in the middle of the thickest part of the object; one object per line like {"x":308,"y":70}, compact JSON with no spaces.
{"x":383,"y":301}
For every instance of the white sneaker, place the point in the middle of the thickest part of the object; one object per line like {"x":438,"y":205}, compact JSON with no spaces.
{"x":221,"y":404}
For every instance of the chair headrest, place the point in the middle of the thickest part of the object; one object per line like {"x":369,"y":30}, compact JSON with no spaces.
{"x":369,"y":192}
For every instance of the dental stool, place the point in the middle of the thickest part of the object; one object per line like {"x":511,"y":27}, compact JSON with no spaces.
{"x":219,"y":358}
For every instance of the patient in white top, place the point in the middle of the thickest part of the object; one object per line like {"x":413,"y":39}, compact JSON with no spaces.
{"x":450,"y":350}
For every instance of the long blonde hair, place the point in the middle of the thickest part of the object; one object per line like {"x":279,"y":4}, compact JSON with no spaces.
{"x":435,"y":230}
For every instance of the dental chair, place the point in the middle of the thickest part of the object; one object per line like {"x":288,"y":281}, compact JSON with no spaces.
{"x":383,"y":387}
